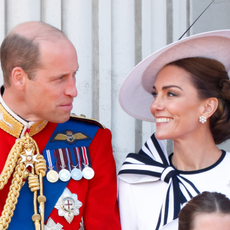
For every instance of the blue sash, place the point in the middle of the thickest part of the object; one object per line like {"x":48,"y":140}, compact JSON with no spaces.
{"x":22,"y":218}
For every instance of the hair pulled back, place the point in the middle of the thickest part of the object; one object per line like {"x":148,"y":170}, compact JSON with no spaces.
{"x":211,"y":79}
{"x":206,"y":202}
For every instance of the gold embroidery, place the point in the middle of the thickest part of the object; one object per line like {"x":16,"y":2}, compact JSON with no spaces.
{"x":17,"y":165}
{"x":37,"y":127}
{"x":14,"y":127}
{"x":10,"y":124}
{"x":70,"y":137}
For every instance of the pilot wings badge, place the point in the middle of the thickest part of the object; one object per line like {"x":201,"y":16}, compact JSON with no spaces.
{"x":69,"y":137}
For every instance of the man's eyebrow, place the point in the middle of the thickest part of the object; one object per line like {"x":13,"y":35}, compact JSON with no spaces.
{"x":169,"y":86}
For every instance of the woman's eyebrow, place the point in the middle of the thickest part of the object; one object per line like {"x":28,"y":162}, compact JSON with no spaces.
{"x":168,"y":86}
{"x":171,"y":86}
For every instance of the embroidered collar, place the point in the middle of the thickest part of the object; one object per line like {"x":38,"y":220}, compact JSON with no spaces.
{"x":15,"y":125}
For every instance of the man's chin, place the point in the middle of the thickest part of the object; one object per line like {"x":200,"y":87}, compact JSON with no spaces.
{"x":60,"y":119}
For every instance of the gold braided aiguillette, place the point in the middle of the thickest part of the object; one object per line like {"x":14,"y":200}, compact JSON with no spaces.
{"x":20,"y":157}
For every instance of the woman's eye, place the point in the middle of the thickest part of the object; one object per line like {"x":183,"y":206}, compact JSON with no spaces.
{"x":154,"y":94}
{"x":170,"y":94}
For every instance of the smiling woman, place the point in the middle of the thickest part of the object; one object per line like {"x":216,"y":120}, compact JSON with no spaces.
{"x":185,"y":89}
{"x":174,"y":91}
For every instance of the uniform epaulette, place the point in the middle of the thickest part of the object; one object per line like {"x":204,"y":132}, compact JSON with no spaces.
{"x":83,"y":118}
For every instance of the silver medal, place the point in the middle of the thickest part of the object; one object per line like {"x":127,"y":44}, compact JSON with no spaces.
{"x":64,"y":175}
{"x":76,"y":174}
{"x":88,"y":173}
{"x":52,"y":176}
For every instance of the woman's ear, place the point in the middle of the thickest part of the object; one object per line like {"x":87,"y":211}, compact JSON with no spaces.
{"x":210,"y":106}
{"x":18,"y":78}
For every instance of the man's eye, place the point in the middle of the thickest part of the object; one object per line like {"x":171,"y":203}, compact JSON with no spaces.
{"x":61,"y":78}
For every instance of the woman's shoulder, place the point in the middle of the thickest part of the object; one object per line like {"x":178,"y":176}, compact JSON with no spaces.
{"x":147,"y":165}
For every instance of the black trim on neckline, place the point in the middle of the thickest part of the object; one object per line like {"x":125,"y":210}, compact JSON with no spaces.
{"x":200,"y":170}
{"x":2,"y":89}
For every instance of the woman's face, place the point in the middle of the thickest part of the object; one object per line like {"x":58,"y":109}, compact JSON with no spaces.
{"x":212,"y":221}
{"x":176,"y":105}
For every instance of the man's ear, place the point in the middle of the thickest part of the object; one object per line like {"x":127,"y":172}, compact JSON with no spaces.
{"x":210,"y":106}
{"x":18,"y":78}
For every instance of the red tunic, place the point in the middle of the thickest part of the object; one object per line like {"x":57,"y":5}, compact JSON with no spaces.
{"x":98,"y":195}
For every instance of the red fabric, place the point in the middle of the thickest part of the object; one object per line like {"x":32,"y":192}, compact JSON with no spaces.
{"x":6,"y":143}
{"x":98,"y":195}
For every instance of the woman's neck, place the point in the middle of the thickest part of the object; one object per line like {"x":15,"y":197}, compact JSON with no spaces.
{"x":190,"y":154}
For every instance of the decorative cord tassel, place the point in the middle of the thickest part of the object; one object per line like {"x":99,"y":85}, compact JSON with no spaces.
{"x":12,"y":199}
{"x":40,"y":168}
{"x":33,"y":183}
{"x":22,"y":153}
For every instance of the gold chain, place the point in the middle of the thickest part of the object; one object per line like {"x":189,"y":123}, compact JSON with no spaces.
{"x":20,"y":157}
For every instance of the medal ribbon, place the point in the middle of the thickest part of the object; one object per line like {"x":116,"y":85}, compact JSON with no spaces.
{"x":69,"y":159}
{"x":53,"y":191}
{"x":85,"y":156}
{"x":77,"y":157}
{"x":50,"y":159}
{"x":61,"y":159}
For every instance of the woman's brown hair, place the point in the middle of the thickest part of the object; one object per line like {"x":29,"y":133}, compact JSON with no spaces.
{"x":211,"y":79}
{"x":206,"y":202}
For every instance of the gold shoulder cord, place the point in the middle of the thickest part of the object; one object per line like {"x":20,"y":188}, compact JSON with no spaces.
{"x":20,"y":157}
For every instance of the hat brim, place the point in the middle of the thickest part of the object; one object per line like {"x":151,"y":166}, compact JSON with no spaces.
{"x":135,"y":94}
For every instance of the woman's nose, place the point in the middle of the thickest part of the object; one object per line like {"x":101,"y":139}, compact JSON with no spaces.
{"x":157,"y":105}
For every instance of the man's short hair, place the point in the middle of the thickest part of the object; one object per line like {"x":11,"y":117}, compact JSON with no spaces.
{"x":22,"y":49}
{"x":19,"y":51}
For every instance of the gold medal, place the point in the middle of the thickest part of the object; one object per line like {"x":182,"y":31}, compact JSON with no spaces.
{"x":52,"y":176}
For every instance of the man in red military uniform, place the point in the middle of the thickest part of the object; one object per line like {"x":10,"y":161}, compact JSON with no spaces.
{"x":57,"y":170}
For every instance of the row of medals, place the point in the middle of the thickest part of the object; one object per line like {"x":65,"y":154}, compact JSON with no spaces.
{"x":65,"y":175}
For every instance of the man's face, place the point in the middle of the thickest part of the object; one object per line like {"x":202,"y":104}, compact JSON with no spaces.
{"x":50,"y":95}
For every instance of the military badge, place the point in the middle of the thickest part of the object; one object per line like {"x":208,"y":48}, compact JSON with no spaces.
{"x":69,"y":137}
{"x":68,"y":205}
{"x":29,"y":158}
{"x":51,"y":225}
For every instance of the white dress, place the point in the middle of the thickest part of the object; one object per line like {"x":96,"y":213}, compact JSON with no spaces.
{"x":146,"y":178}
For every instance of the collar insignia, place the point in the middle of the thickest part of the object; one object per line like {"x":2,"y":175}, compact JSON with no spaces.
{"x":16,"y":126}
{"x":69,"y":137}
{"x":50,"y":225}
{"x":68,"y":205}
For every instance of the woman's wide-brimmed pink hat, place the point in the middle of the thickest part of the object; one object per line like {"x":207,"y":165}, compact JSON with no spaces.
{"x":135,"y":94}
